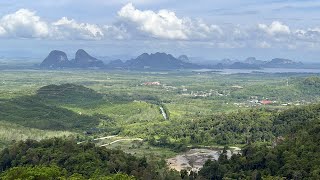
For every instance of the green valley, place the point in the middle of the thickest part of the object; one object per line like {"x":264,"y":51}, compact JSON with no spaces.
{"x":153,"y":115}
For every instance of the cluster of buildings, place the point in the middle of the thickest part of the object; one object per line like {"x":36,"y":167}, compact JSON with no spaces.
{"x":204,"y":93}
{"x":155,"y":83}
{"x":256,"y":102}
{"x":261,"y":102}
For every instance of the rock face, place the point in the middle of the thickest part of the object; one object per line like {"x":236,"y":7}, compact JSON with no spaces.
{"x":158,"y":61}
{"x":253,"y":63}
{"x":56,"y":59}
{"x":161,"y":61}
{"x":184,"y":58}
{"x":226,"y":62}
{"x":116,"y":64}
{"x":84,"y":60}
{"x":253,"y":60}
{"x":279,"y":62}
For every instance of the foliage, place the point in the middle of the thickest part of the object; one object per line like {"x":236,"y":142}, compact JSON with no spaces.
{"x":31,"y":112}
{"x":85,"y":159}
{"x":312,"y":81}
{"x":309,"y":86}
{"x":13,"y":132}
{"x":242,"y":127}
{"x":205,"y":109}
{"x":69,"y":94}
{"x":295,"y":157}
{"x":34,"y":173}
{"x":53,"y":172}
{"x":292,"y":119}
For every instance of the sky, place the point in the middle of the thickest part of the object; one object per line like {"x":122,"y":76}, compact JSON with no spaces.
{"x":204,"y":29}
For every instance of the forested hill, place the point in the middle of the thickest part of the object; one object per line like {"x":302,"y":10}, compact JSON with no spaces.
{"x":68,"y":94}
{"x":240,"y":127}
{"x":31,"y":112}
{"x":294,"y":156}
{"x":65,"y":159}
{"x":43,"y":110}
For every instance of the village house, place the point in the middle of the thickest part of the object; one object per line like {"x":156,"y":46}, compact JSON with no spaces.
{"x":266,"y":102}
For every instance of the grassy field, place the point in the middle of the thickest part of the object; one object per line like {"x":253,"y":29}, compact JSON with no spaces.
{"x":12,"y":132}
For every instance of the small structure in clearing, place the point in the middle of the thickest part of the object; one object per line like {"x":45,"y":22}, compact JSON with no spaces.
{"x":266,"y":102}
{"x":156,"y":83}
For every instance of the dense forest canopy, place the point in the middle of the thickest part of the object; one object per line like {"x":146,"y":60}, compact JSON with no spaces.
{"x":32,"y":112}
{"x":72,"y":159}
{"x":295,"y":155}
{"x":242,"y":127}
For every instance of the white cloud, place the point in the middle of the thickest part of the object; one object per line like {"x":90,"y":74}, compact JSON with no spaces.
{"x":116,"y":32}
{"x":3,"y":32}
{"x":264,"y":45}
{"x":70,"y":29}
{"x":23,"y":23}
{"x":275,"y":28}
{"x":145,"y":25}
{"x":165,"y":24}
{"x":311,"y":34}
{"x":230,"y":45}
{"x":292,"y":46}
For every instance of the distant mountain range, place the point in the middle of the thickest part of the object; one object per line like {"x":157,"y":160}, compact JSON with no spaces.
{"x":282,"y":63}
{"x":157,"y":61}
{"x":253,"y":63}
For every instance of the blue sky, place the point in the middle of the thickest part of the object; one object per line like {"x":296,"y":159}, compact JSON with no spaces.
{"x":211,"y":29}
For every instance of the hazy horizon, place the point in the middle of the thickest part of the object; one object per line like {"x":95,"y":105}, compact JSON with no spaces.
{"x":211,"y":30}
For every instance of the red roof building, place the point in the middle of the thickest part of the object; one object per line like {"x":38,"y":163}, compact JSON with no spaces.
{"x":266,"y":102}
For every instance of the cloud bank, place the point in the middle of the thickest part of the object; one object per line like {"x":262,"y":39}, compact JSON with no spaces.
{"x":164,"y":24}
{"x":132,"y":23}
{"x":66,"y":28}
{"x":23,"y":24}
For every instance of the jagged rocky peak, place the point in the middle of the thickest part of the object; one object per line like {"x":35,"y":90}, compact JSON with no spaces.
{"x":253,"y":60}
{"x":143,"y":56}
{"x":83,"y":59}
{"x":159,"y":55}
{"x":56,"y":59}
{"x":184,"y":58}
{"x":155,"y":57}
{"x":116,"y":64}
{"x":82,"y":55}
{"x":250,"y":59}
{"x":157,"y":61}
{"x":282,"y":61}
